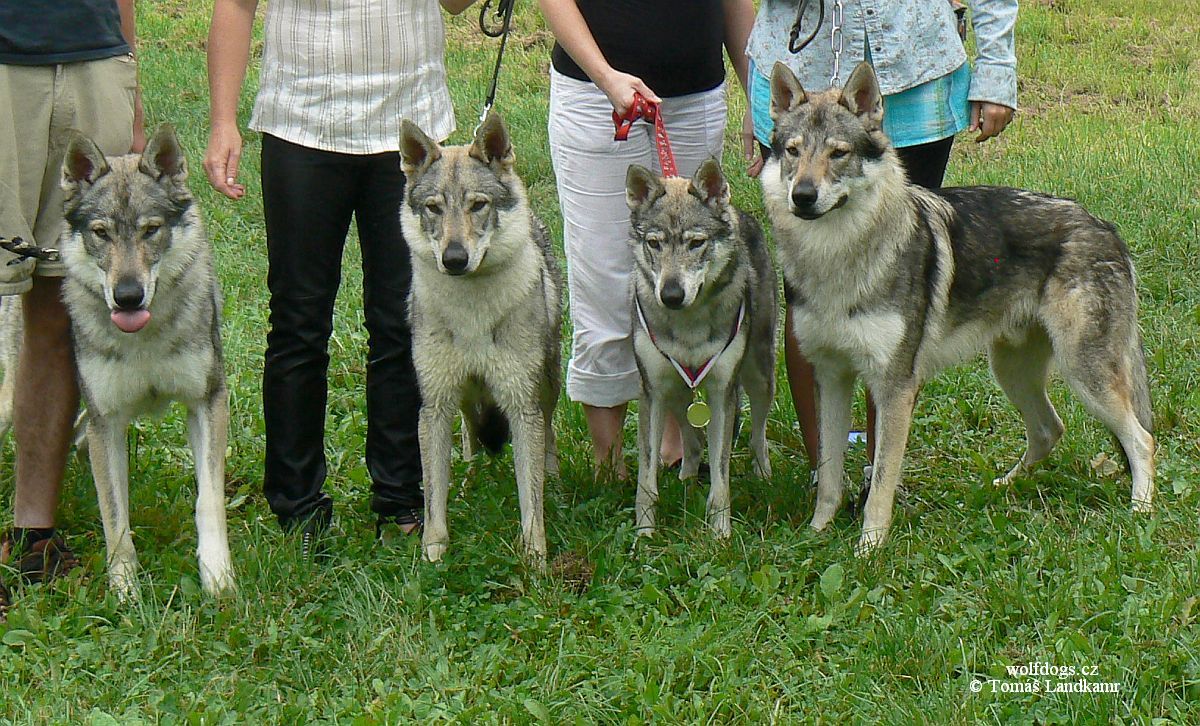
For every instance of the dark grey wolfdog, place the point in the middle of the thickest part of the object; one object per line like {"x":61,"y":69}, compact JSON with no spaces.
{"x":145,"y":316}
{"x":705,"y":299}
{"x":486,"y":317}
{"x":891,"y":282}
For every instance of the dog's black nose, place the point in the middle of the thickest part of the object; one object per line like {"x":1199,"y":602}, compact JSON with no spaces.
{"x":671,"y":294}
{"x":128,"y":294}
{"x":804,"y":196}
{"x":455,"y":258}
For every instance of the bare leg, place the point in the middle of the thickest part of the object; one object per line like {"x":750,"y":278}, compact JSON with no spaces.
{"x":604,"y":426}
{"x":45,"y":403}
{"x":803,"y":387}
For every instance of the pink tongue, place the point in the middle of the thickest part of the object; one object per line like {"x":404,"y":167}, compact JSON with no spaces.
{"x":130,"y":321}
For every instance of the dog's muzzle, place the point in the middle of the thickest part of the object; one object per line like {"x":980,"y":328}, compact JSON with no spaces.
{"x":129,"y":315}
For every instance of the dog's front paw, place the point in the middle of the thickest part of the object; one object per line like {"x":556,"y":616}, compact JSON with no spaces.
{"x":434,"y":549}
{"x":218,"y":582}
{"x":720,"y":525}
{"x":822,"y":517}
{"x":1143,"y":506}
{"x":762,"y":468}
{"x":870,"y":541}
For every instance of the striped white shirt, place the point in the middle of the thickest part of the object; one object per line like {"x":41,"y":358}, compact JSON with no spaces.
{"x":340,"y":75}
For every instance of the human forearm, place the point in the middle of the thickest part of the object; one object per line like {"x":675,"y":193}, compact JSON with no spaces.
{"x":739,"y":19}
{"x":228,"y":56}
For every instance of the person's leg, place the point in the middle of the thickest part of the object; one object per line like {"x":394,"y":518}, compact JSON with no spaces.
{"x":97,"y":99}
{"x":696,"y":126}
{"x":590,"y":170}
{"x":925,"y":165}
{"x":44,"y":405}
{"x":393,"y":398}
{"x":308,"y":198}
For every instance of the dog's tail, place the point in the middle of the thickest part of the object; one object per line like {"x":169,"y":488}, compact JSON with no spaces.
{"x":490,"y":426}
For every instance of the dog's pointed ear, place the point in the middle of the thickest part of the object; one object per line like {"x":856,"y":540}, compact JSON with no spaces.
{"x":83,"y":163}
{"x":786,"y":91}
{"x":709,"y":185}
{"x":862,"y":96}
{"x":163,"y":157}
{"x":417,"y":151}
{"x":642,"y":187}
{"x":492,"y":145}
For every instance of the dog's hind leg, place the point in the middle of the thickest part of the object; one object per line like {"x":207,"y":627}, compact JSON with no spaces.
{"x":109,"y":452}
{"x":724,"y":402}
{"x":1111,"y":381}
{"x":894,"y":411}
{"x":529,"y":460}
{"x":760,"y":389}
{"x":208,"y":432}
{"x":1021,"y":369}
{"x":549,"y":402}
{"x":834,"y":389}
{"x":434,"y":434}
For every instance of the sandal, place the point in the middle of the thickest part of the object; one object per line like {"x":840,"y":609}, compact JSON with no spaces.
{"x":410,"y":521}
{"x":36,"y":555}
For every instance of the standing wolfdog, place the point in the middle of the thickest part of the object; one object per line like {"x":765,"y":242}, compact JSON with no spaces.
{"x":486,"y":318}
{"x":705,"y":308}
{"x":145,"y":316}
{"x":891,"y":282}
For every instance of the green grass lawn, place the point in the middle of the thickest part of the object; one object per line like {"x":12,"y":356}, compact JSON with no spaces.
{"x":778,"y":624}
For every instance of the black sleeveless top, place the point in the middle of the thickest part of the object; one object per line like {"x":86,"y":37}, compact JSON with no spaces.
{"x":44,"y":32}
{"x":675,"y":46}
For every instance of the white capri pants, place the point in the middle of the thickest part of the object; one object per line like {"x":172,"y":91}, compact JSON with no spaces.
{"x":590,"y":170}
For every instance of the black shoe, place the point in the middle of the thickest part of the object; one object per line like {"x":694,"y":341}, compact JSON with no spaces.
{"x":314,"y":534}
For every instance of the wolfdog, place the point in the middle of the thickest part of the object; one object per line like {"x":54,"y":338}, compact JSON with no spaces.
{"x":704,"y":307}
{"x":891,"y":282}
{"x":486,"y":314}
{"x":145,"y":315}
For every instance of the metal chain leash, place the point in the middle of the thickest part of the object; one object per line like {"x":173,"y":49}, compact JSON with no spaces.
{"x":835,"y":41}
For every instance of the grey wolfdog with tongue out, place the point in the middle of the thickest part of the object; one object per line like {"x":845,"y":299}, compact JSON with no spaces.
{"x":145,"y":314}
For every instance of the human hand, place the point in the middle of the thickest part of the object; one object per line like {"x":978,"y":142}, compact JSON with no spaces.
{"x":989,"y":119}
{"x":221,"y":160}
{"x":750,"y":146}
{"x":620,"y":87}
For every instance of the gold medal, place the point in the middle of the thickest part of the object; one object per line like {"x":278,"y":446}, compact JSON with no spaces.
{"x":698,"y":414}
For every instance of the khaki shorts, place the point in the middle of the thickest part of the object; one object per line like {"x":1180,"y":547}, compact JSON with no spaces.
{"x":38,"y":104}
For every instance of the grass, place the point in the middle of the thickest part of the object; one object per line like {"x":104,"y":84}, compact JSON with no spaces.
{"x":777,"y":625}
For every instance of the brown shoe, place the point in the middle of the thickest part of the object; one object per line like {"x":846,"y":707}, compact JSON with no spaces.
{"x":37,"y":560}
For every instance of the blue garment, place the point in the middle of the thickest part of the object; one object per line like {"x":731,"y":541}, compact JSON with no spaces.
{"x":911,"y":42}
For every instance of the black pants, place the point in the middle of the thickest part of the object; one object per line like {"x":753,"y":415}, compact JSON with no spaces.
{"x":925,"y":164}
{"x":309,"y":197}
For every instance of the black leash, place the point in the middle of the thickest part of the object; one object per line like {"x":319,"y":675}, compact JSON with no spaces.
{"x":24,"y":250}
{"x":496,"y":22}
{"x":795,"y":45}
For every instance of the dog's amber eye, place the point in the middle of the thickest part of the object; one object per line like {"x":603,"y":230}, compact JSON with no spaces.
{"x":793,"y":151}
{"x":697,"y":242}
{"x":838,"y":153}
{"x":151,"y":228}
{"x":433,"y":207}
{"x":653,"y":244}
{"x":478,"y":205}
{"x":100,"y":232}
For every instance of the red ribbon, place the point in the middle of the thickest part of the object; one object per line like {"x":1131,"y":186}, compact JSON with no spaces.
{"x":652,"y":113}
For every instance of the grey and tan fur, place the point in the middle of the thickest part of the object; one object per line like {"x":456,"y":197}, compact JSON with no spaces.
{"x":892,"y":283}
{"x":697,"y":261}
{"x":486,"y":316}
{"x":138,"y":259}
